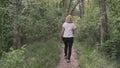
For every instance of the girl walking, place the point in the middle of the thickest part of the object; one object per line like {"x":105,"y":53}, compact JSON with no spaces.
{"x":67,"y":35}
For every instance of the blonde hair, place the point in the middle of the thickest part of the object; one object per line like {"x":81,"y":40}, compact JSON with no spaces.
{"x":69,"y":19}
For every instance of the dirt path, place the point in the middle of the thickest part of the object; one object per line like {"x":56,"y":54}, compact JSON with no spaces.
{"x":72,"y":64}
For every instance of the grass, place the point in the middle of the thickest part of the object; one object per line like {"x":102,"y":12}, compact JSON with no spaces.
{"x":92,"y":58}
{"x":36,"y":55}
{"x":43,"y":55}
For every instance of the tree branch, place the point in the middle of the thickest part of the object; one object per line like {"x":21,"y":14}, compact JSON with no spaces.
{"x":74,"y":7}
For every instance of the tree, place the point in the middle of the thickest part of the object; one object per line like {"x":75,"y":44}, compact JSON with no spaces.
{"x":103,"y":21}
{"x":81,"y":8}
{"x":16,"y":22}
{"x":71,"y":12}
{"x":69,"y":7}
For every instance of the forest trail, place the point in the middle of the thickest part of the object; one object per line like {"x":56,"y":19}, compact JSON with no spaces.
{"x":73,"y":62}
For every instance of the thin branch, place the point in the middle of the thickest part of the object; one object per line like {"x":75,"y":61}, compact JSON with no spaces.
{"x":74,"y":7}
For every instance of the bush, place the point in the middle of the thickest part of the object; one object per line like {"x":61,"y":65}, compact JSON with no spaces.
{"x":93,"y":58}
{"x":112,"y":48}
{"x":13,"y":59}
{"x":42,"y":55}
{"x":34,"y":55}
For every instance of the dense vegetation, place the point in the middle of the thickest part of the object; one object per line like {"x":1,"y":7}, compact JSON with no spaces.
{"x":28,"y":33}
{"x":35,"y":55}
{"x":91,"y":52}
{"x":89,"y":28}
{"x":33,"y":22}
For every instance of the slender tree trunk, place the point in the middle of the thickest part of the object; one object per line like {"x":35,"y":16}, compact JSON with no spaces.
{"x":1,"y":35}
{"x":65,"y":7}
{"x":103,"y":20}
{"x":82,"y":1}
{"x":17,"y":40}
{"x":68,"y":11}
{"x":81,"y":8}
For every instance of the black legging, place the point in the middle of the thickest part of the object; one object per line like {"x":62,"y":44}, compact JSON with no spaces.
{"x":68,"y":42}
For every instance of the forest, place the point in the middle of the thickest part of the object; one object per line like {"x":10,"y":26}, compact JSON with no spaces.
{"x":30,"y":32}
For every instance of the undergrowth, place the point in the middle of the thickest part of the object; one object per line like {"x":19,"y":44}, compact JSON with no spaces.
{"x":35,"y":55}
{"x":92,"y":58}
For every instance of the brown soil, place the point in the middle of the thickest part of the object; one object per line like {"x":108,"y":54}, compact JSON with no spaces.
{"x":73,"y":62}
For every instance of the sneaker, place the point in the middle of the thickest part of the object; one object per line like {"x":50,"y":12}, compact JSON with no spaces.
{"x":68,"y":61}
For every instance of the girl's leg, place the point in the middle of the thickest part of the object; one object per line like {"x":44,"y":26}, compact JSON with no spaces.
{"x":66,"y":46}
{"x":70,"y":48}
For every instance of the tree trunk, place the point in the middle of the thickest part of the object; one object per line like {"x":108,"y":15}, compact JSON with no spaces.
{"x":65,"y":8}
{"x":103,"y":20}
{"x":68,"y":11}
{"x":81,"y":8}
{"x":16,"y":22}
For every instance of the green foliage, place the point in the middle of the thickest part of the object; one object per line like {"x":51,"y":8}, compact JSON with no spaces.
{"x":88,"y":30}
{"x":111,"y":48}
{"x":5,"y":26}
{"x":39,"y":20}
{"x":34,"y":55}
{"x":88,"y":27}
{"x":43,"y":54}
{"x":113,"y":6}
{"x":13,"y":59}
{"x":39,"y":23}
{"x":93,"y":58}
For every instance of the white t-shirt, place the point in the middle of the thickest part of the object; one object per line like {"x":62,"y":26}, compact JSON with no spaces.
{"x":69,"y":27}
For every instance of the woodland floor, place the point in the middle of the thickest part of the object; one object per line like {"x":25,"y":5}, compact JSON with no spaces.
{"x":73,"y":62}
